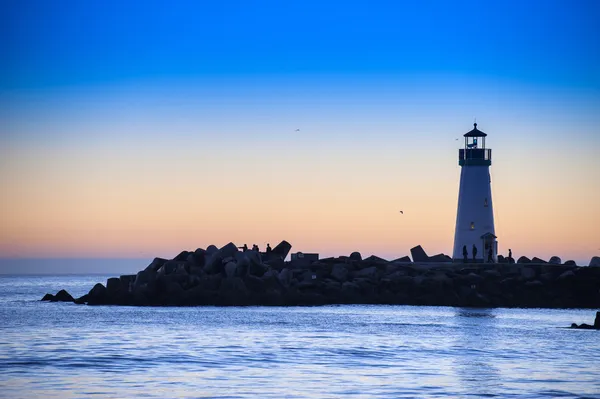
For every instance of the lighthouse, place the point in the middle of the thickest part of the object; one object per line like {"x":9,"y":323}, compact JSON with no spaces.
{"x":475,"y":213}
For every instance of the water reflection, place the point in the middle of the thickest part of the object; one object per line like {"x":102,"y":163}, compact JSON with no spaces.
{"x":475,"y":342}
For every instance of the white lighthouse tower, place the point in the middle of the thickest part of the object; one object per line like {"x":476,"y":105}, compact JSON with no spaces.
{"x":475,"y":214}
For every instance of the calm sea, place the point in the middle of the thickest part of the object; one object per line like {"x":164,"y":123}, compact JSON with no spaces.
{"x":60,"y":350}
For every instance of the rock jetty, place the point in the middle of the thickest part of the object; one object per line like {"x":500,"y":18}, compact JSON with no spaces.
{"x":227,"y":276}
{"x":584,"y":326}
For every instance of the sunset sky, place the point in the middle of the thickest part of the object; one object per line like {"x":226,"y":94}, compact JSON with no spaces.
{"x":139,"y":129}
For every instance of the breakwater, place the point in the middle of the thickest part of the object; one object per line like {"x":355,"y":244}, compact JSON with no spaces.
{"x":230,"y":277}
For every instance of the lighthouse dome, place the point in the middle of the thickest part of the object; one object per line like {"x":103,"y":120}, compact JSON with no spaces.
{"x":475,"y":132}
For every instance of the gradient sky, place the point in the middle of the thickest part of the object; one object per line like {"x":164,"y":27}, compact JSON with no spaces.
{"x":139,"y":129}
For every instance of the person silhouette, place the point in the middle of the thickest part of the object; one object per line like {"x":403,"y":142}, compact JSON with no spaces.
{"x":510,"y":258}
{"x":474,"y":252}
{"x":490,"y":255}
{"x":268,"y":248}
{"x":465,"y":254}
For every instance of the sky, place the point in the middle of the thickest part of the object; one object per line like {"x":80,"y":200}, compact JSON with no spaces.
{"x":133,"y":129}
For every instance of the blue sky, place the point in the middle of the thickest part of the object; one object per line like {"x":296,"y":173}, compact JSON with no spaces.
{"x":59,"y":43}
{"x":144,"y":128}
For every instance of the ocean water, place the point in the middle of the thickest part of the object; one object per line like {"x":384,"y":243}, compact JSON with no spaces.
{"x":62,"y":350}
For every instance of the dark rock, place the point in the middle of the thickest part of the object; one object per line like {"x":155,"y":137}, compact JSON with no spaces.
{"x":156,"y":264}
{"x":418,"y":254}
{"x":528,"y":273}
{"x":534,"y":284}
{"x":62,"y":296}
{"x":276,"y":263}
{"x":197,"y":258}
{"x":339,"y":272}
{"x":228,"y":250}
{"x":404,"y":259}
{"x":584,"y":326}
{"x":566,"y":275}
{"x":555,"y":260}
{"x":81,"y":300}
{"x":144,"y":277}
{"x":440,"y":258}
{"x":97,"y":295}
{"x":113,"y":286}
{"x":285,"y":277}
{"x":595,"y":261}
{"x":524,"y":259}
{"x":254,"y":284}
{"x":183,"y":255}
{"x":171,"y":266}
{"x":48,"y":297}
{"x":355,"y":256}
{"x":369,"y":272}
{"x":230,"y":269}
{"x":127,"y":281}
{"x":570,"y":263}
{"x":375,"y":260}
{"x":282,"y":249}
{"x":257,"y":269}
{"x":537,"y":260}
{"x":502,"y":259}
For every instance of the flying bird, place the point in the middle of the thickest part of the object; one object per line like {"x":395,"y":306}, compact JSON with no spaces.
{"x":402,"y":212}
{"x":297,"y":130}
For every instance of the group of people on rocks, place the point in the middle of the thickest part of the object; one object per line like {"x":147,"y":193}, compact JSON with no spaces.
{"x":244,"y":248}
{"x":490,"y":258}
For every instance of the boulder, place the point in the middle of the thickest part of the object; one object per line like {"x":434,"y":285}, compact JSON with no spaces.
{"x":156,"y":264}
{"x":170,"y":267}
{"x":570,"y":263}
{"x":524,"y":259}
{"x":230,"y":269}
{"x":271,"y":280}
{"x":254,"y":284}
{"x":127,"y":281}
{"x":97,"y":295}
{"x":597,"y":320}
{"x":566,"y":275}
{"x":63,"y":296}
{"x":339,"y":272}
{"x":440,"y":258}
{"x":196,"y":258}
{"x":228,"y":250}
{"x":404,"y":259}
{"x":534,"y":284}
{"x":113,"y":286}
{"x":234,"y":285}
{"x":275,"y":263}
{"x":355,"y":256}
{"x":183,"y":255}
{"x":537,"y":260}
{"x":285,"y":277}
{"x":144,"y":277}
{"x":282,"y":249}
{"x":418,"y":254}
{"x":211,"y":249}
{"x":595,"y":261}
{"x":501,"y":259}
{"x":369,"y":272}
{"x":48,"y":297}
{"x":528,"y":273}
{"x":257,"y":269}
{"x":555,"y":260}
{"x":375,"y":260}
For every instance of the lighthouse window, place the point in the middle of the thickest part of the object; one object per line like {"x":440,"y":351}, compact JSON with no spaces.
{"x":485,"y":203}
{"x":472,"y":225}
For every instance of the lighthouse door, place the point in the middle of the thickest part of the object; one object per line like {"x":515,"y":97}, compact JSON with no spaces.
{"x":490,"y":246}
